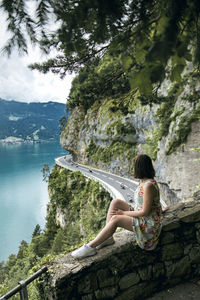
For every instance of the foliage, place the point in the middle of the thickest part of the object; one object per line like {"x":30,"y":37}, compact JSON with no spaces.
{"x":99,"y":80}
{"x":72,"y":193}
{"x":163,"y":114}
{"x":36,"y":231}
{"x":145,"y":34}
{"x":106,"y":154}
{"x":151,"y":143}
{"x":183,"y":129}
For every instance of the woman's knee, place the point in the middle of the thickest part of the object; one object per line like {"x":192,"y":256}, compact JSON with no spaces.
{"x":116,"y":202}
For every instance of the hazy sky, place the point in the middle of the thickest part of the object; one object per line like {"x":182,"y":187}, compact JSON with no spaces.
{"x":18,"y":82}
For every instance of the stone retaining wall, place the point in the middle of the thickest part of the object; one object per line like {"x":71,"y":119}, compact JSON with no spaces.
{"x":124,"y":271}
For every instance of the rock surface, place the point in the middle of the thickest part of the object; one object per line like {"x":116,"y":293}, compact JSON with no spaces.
{"x":113,"y":131}
{"x":179,"y":172}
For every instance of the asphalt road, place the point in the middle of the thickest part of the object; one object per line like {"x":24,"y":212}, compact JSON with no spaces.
{"x":121,"y":187}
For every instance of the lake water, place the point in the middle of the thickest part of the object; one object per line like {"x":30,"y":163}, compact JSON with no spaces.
{"x":23,"y":193}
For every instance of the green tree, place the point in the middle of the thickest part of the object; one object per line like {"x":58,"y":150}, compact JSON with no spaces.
{"x":57,"y":246}
{"x":22,"y":250}
{"x":2,"y":269}
{"x":98,"y":80}
{"x":37,"y":231}
{"x":146,"y":33}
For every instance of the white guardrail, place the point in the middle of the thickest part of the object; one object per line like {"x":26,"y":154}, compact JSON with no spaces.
{"x":112,"y":191}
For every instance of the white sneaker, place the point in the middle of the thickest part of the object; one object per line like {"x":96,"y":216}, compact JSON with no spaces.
{"x":107,"y":242}
{"x":84,"y":251}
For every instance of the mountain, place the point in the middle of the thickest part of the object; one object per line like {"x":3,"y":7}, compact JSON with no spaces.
{"x":27,"y":122}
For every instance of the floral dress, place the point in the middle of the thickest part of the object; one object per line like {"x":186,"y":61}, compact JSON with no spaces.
{"x":147,"y":229}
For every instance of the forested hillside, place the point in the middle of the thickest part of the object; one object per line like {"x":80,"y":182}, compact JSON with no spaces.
{"x":26,"y":122}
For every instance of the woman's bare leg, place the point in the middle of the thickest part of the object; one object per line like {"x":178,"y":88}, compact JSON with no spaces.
{"x":116,"y":203}
{"x":115,"y":221}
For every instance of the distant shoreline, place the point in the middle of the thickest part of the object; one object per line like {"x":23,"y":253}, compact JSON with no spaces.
{"x":17,"y":141}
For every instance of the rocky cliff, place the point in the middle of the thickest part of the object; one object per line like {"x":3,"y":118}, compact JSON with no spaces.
{"x":113,"y":131}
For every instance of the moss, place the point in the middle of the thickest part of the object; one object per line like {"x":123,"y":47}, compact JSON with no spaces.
{"x":163,"y":115}
{"x":120,"y":129}
{"x":106,"y":154}
{"x":130,"y":155}
{"x":111,"y":128}
{"x":107,"y":113}
{"x":95,"y":107}
{"x":124,"y":130}
{"x":183,"y":130}
{"x":151,"y":146}
{"x":133,"y":101}
{"x":91,"y":149}
{"x":112,"y":109}
{"x":182,"y":118}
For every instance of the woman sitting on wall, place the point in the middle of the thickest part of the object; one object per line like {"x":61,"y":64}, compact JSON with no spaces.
{"x":144,"y":217}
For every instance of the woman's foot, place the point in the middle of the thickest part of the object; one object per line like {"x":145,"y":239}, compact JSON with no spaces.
{"x":107,"y":242}
{"x":84,"y":251}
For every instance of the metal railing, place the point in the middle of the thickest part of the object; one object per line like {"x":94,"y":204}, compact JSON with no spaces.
{"x":22,"y":287}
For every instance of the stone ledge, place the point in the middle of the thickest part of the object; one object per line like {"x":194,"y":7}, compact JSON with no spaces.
{"x":125,"y":269}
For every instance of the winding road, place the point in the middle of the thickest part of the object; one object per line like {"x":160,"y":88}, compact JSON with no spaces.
{"x":118,"y":187}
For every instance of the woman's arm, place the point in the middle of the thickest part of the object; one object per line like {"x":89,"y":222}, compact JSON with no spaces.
{"x":149,"y":194}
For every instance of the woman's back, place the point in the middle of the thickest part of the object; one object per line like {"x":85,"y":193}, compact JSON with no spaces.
{"x":148,"y":228}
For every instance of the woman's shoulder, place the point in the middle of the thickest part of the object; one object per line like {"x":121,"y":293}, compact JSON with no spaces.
{"x":151,"y":185}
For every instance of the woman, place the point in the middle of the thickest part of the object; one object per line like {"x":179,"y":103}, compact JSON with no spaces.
{"x":144,"y":217}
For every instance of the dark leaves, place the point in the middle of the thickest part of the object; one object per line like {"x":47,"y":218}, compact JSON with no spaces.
{"x":147,"y":35}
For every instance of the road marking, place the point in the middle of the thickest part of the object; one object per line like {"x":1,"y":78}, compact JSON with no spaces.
{"x":110,"y":178}
{"x":118,"y":181}
{"x":132,"y":190}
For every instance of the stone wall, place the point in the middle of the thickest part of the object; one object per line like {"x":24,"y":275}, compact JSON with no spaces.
{"x":124,"y":271}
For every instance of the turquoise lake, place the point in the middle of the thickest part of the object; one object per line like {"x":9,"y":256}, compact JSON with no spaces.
{"x":23,"y":193}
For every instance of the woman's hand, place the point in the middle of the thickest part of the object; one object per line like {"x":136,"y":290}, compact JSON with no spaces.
{"x":117,"y":211}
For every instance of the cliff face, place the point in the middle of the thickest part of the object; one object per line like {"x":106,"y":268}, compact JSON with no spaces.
{"x":179,"y":172}
{"x":112,"y":132}
{"x":107,"y":138}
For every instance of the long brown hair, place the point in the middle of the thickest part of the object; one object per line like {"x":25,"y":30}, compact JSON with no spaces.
{"x":143,"y":167}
